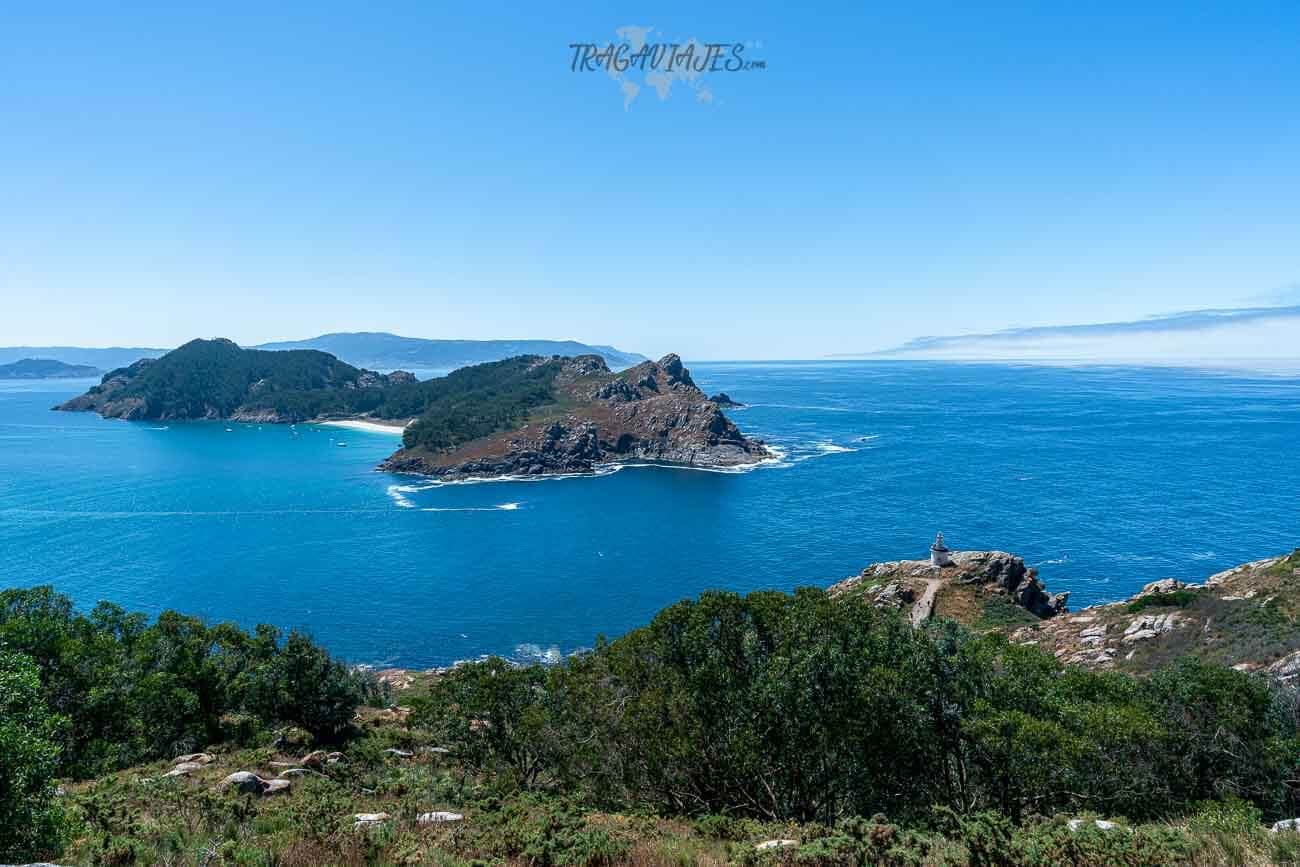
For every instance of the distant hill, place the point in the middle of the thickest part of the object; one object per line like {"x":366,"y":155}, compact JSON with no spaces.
{"x":382,"y":351}
{"x":371,"y":350}
{"x":105,"y":359}
{"x":46,"y":368}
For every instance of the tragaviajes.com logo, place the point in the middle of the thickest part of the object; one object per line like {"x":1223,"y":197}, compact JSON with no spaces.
{"x":635,"y":62}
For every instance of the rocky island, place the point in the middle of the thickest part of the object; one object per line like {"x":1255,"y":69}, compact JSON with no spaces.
{"x":529,"y":416}
{"x":589,"y":417}
{"x":46,"y":368}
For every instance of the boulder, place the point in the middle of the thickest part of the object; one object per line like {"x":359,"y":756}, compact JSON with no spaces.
{"x":291,"y":773}
{"x":399,"y":754}
{"x":1287,"y":668}
{"x":276,"y":787}
{"x":314,"y":759}
{"x":193,"y":758}
{"x":438,"y":816}
{"x":1164,"y":585}
{"x":246,"y":782}
{"x":369,"y":820}
{"x":1286,"y":825}
{"x":1099,"y":824}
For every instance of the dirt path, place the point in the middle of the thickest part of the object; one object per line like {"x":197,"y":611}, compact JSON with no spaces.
{"x":925,"y":605}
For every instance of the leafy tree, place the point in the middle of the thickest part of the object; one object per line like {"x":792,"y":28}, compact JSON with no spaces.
{"x":31,"y":823}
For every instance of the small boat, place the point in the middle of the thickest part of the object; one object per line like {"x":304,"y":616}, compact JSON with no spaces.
{"x":341,"y":445}
{"x":230,"y":430}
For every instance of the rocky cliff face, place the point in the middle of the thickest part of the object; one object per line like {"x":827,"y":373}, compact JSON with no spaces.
{"x":653,"y":412}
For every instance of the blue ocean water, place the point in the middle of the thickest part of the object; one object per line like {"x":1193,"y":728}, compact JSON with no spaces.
{"x":1106,"y":478}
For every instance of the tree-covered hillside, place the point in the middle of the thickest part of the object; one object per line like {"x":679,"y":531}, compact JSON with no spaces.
{"x":217,"y":379}
{"x":768,"y":728}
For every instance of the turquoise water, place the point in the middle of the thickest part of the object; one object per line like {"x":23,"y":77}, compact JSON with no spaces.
{"x":1104,"y":478}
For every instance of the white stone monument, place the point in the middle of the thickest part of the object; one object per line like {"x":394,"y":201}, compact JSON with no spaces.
{"x":938,"y":553}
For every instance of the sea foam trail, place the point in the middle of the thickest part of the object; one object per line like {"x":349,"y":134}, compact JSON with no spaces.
{"x":604,"y":470}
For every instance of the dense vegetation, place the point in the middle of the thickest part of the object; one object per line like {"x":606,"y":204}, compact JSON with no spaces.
{"x":805,"y":708}
{"x":477,"y":401}
{"x":131,"y":690}
{"x":725,"y":721}
{"x":216,"y":378}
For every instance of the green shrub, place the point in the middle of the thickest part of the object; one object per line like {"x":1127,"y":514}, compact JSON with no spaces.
{"x":1171,"y":599}
{"x":134,"y":691}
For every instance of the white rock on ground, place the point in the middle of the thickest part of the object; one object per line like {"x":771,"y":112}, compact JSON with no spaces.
{"x":369,"y":820}
{"x":438,"y":816}
{"x":1102,"y":824}
{"x":1286,"y":825}
{"x":183,"y":769}
{"x":276,"y":787}
{"x":775,"y":844}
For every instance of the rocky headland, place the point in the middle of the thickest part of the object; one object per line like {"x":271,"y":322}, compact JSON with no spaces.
{"x":989,"y":587}
{"x":653,"y":412}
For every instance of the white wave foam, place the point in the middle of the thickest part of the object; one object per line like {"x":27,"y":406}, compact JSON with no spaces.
{"x":1064,"y":558}
{"x":1204,"y":555}
{"x":508,"y":507}
{"x":396,"y":492}
{"x":830,"y":448}
{"x":778,"y":455}
{"x":536,"y":653}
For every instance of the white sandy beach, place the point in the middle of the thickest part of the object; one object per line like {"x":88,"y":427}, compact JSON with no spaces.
{"x":372,"y":426}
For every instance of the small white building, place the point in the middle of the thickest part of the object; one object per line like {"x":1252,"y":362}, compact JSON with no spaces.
{"x":938,"y":553}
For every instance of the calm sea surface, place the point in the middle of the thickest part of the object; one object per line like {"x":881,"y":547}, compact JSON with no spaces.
{"x":1105,"y":478}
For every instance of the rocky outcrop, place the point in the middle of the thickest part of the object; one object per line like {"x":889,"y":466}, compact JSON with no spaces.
{"x":978,"y":574}
{"x":653,"y":412}
{"x":1244,"y":617}
{"x":724,"y":399}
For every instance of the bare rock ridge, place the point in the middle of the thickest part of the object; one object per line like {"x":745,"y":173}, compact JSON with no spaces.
{"x":653,"y":412}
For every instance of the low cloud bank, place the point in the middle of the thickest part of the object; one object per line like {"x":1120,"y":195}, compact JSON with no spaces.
{"x":1257,"y":337}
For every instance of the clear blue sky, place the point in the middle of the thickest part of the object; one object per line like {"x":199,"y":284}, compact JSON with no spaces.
{"x":268,"y":171}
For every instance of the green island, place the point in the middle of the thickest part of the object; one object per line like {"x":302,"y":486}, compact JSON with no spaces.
{"x":46,"y":368}
{"x":528,"y":415}
{"x":864,"y":724}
